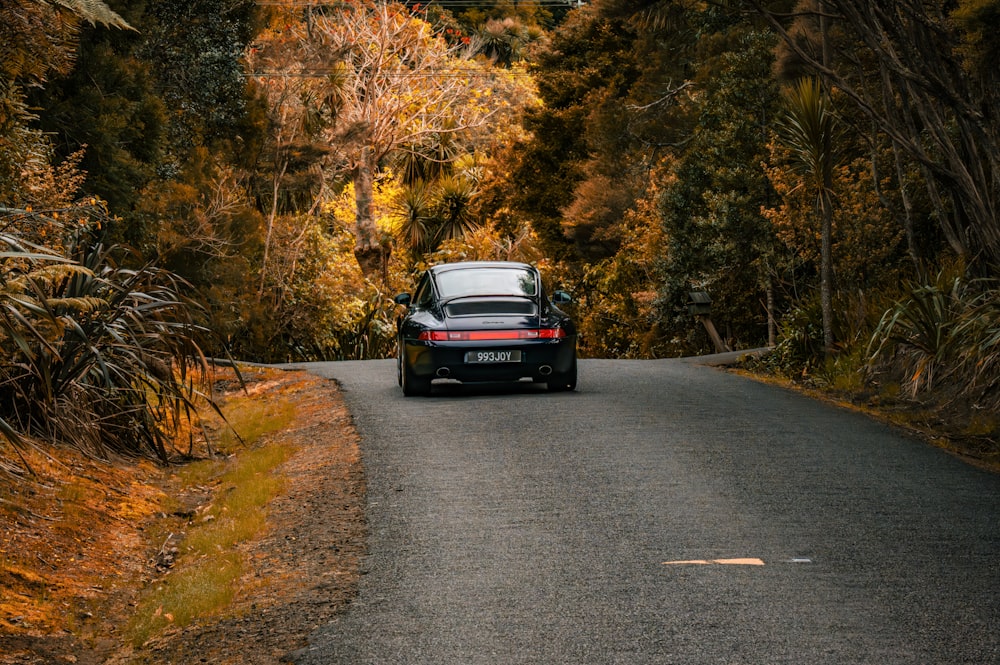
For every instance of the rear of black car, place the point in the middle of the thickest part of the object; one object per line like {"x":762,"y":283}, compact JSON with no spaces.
{"x":485,"y":322}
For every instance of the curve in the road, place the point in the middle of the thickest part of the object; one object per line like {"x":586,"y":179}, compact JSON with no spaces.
{"x":663,"y":513}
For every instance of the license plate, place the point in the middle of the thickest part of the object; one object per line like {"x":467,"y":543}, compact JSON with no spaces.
{"x":493,"y":356}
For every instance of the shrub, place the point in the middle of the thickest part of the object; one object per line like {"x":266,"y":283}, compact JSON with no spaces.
{"x":943,"y":337}
{"x":95,"y":354}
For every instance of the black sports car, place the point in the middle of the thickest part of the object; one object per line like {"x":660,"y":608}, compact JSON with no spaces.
{"x":484,"y":321}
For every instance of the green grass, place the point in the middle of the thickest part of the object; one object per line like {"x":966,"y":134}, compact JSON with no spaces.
{"x":252,"y":423}
{"x":205,"y":576}
{"x":201,"y":589}
{"x":238,"y":512}
{"x":246,"y":424}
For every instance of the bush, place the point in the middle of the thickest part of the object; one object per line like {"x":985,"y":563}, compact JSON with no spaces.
{"x":943,"y":337}
{"x":95,"y":354}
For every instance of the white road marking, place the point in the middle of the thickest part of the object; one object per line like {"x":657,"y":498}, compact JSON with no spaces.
{"x":720,"y":562}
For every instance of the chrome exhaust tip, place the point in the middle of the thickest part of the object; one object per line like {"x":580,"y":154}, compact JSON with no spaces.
{"x":545,"y":370}
{"x":443,"y":372}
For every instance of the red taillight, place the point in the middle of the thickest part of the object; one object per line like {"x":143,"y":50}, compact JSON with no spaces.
{"x":489,"y":335}
{"x":551,"y":333}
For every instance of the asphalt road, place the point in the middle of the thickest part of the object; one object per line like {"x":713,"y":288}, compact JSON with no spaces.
{"x":516,"y":526}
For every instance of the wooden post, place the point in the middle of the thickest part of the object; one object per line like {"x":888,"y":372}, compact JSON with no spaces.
{"x":720,"y":346}
{"x":699,"y":306}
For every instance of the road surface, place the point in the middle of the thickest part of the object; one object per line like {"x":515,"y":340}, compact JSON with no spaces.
{"x":663,"y":513}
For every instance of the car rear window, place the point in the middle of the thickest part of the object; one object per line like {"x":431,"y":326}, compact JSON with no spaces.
{"x":489,"y":307}
{"x":486,"y":282}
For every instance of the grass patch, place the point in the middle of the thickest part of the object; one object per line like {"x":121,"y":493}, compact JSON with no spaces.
{"x":205,"y":577}
{"x":201,"y":589}
{"x":252,"y":422}
{"x":237,"y":514}
{"x":247,"y":422}
{"x":844,"y":373}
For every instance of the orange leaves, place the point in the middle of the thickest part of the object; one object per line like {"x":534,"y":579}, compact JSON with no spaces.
{"x":866,"y":237}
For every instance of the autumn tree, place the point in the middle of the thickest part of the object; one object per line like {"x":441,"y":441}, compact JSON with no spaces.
{"x":379,"y":83}
{"x":655,"y":113}
{"x":923,"y":73}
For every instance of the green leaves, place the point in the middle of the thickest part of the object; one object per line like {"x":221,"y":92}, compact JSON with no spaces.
{"x":431,"y":213}
{"x":807,"y":128}
{"x":944,"y":335}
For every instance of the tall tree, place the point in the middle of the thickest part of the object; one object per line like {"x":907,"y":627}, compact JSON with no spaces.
{"x":38,"y":40}
{"x":924,"y":73}
{"x":144,"y":102}
{"x":381,"y":82}
{"x":716,"y":238}
{"x":611,"y":82}
{"x":807,"y":130}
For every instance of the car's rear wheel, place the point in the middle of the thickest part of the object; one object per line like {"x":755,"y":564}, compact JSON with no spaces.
{"x":413,"y":385}
{"x":564,"y":380}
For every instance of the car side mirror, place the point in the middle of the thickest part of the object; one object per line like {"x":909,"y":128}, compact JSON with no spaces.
{"x":561,"y":298}
{"x":402,"y":299}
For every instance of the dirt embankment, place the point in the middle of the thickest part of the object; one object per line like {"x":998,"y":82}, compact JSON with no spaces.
{"x":82,"y":541}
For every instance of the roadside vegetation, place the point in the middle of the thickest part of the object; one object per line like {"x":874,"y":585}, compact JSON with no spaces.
{"x":205,"y":563}
{"x":109,"y":563}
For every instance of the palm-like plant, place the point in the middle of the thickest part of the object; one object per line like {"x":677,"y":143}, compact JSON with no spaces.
{"x":502,"y":41}
{"x":922,"y":330}
{"x":432,"y":158}
{"x":413,"y":209}
{"x":945,"y":334}
{"x":807,"y":130}
{"x":980,"y":370}
{"x":454,"y":205}
{"x":94,"y":354}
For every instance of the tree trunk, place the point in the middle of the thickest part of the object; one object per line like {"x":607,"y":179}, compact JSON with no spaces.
{"x":826,"y":270}
{"x":371,"y":254}
{"x":826,"y":202}
{"x":771,"y":324}
{"x":272,"y":215}
{"x":911,"y":235}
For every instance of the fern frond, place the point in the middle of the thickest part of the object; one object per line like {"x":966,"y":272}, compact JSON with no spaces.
{"x":81,"y":304}
{"x":94,"y":12}
{"x":56,"y":272}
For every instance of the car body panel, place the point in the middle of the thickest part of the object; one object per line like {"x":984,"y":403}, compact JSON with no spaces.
{"x":490,"y":310}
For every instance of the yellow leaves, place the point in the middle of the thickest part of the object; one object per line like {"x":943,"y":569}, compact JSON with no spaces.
{"x":82,"y":305}
{"x":385,"y":193}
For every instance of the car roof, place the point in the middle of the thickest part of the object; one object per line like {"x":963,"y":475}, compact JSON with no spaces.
{"x":464,"y":265}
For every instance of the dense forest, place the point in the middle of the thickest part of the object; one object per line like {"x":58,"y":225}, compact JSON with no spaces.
{"x":181,"y":181}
